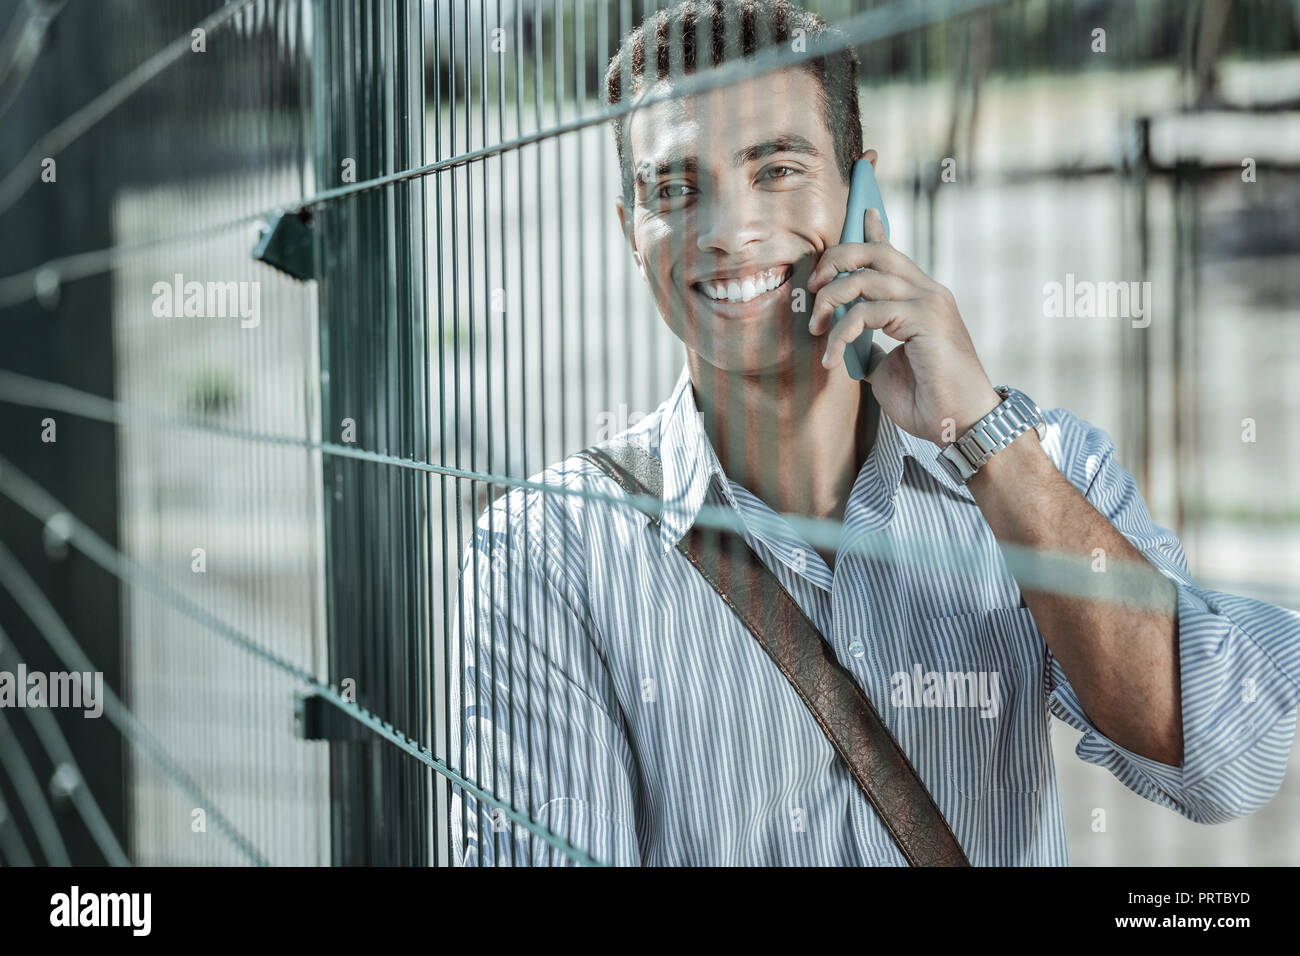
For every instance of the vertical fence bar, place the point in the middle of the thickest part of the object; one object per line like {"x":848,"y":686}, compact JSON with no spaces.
{"x":372,"y":300}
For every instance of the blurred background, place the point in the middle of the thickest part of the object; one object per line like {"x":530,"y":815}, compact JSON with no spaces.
{"x":231,"y":516}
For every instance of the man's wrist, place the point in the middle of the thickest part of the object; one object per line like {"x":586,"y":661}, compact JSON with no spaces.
{"x":1011,"y":463}
{"x":976,"y":409}
{"x":992,"y":433}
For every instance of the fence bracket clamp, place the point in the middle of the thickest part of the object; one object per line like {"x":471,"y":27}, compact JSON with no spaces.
{"x":315,"y":718}
{"x":288,"y":244}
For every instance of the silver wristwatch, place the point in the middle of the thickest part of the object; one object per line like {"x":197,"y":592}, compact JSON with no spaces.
{"x":1016,"y":414}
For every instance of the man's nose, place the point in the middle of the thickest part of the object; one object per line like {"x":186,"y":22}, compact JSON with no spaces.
{"x":731,"y":221}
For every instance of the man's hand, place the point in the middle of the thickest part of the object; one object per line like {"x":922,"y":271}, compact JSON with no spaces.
{"x":1112,"y":653}
{"x":934,"y":376}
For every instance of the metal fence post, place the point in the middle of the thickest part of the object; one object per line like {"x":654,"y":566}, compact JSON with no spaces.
{"x":369,"y":102}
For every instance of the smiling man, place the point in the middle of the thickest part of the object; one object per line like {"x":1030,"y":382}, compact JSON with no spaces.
{"x":616,"y":692}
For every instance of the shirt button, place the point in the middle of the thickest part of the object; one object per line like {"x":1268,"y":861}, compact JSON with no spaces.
{"x":857,"y":648}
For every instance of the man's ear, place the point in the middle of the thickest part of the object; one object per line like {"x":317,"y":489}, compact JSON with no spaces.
{"x":871,"y":157}
{"x":625,"y":224}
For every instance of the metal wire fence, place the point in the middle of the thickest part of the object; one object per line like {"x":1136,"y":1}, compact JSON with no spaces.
{"x":440,"y":305}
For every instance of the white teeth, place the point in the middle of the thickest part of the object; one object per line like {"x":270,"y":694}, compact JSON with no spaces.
{"x":747,"y":288}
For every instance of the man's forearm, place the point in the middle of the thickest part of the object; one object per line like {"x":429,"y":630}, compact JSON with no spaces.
{"x":1122,"y":661}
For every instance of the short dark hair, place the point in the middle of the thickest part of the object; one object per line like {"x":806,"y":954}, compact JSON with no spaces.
{"x":740,"y":28}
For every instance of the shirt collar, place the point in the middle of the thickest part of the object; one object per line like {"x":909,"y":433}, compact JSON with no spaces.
{"x":690,"y":463}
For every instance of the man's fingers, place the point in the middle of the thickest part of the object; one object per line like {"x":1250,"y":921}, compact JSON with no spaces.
{"x":848,"y":256}
{"x":862,"y":282}
{"x":845,"y":257}
{"x":876,"y":359}
{"x":873,"y":227}
{"x":863,"y":316}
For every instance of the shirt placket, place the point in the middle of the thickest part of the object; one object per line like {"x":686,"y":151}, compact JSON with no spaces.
{"x":854,"y":627}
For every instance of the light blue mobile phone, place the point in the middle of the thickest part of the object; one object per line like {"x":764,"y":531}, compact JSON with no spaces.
{"x":864,"y":194}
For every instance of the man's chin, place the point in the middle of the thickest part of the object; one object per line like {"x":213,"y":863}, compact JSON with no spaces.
{"x":755,"y":355}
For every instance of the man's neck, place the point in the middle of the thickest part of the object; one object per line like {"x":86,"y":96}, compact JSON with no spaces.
{"x":796,"y":439}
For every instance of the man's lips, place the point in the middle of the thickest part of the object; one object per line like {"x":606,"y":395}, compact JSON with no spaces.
{"x":743,"y":293}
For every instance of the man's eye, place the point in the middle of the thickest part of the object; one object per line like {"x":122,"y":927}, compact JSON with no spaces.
{"x":788,"y":171}
{"x":666,"y":191}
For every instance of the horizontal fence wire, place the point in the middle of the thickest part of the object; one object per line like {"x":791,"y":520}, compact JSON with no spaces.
{"x":21,"y":45}
{"x":878,"y":24}
{"x":31,"y":795}
{"x":38,"y":503}
{"x":68,"y":773}
{"x":875,"y":24}
{"x":42,"y":613}
{"x":1066,"y":574}
{"x":1049,"y":571}
{"x":28,"y":170}
{"x":13,"y":848}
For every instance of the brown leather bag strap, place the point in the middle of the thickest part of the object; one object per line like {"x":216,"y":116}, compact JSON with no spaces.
{"x":840,"y":707}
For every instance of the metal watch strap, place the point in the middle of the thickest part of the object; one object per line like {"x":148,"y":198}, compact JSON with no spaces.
{"x":841,"y":708}
{"x":1014,"y":416}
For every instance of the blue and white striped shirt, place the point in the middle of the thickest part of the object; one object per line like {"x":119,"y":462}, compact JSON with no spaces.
{"x":608,"y":691}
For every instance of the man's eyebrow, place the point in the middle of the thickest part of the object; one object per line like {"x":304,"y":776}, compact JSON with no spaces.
{"x":750,"y":154}
{"x":789,"y":143}
{"x":679,"y":164}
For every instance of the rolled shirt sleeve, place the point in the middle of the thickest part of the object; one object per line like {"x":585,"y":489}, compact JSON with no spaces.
{"x":1239,"y":662}
{"x":534,"y":717}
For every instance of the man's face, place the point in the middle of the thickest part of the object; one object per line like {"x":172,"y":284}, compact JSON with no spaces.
{"x":737,"y":195}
